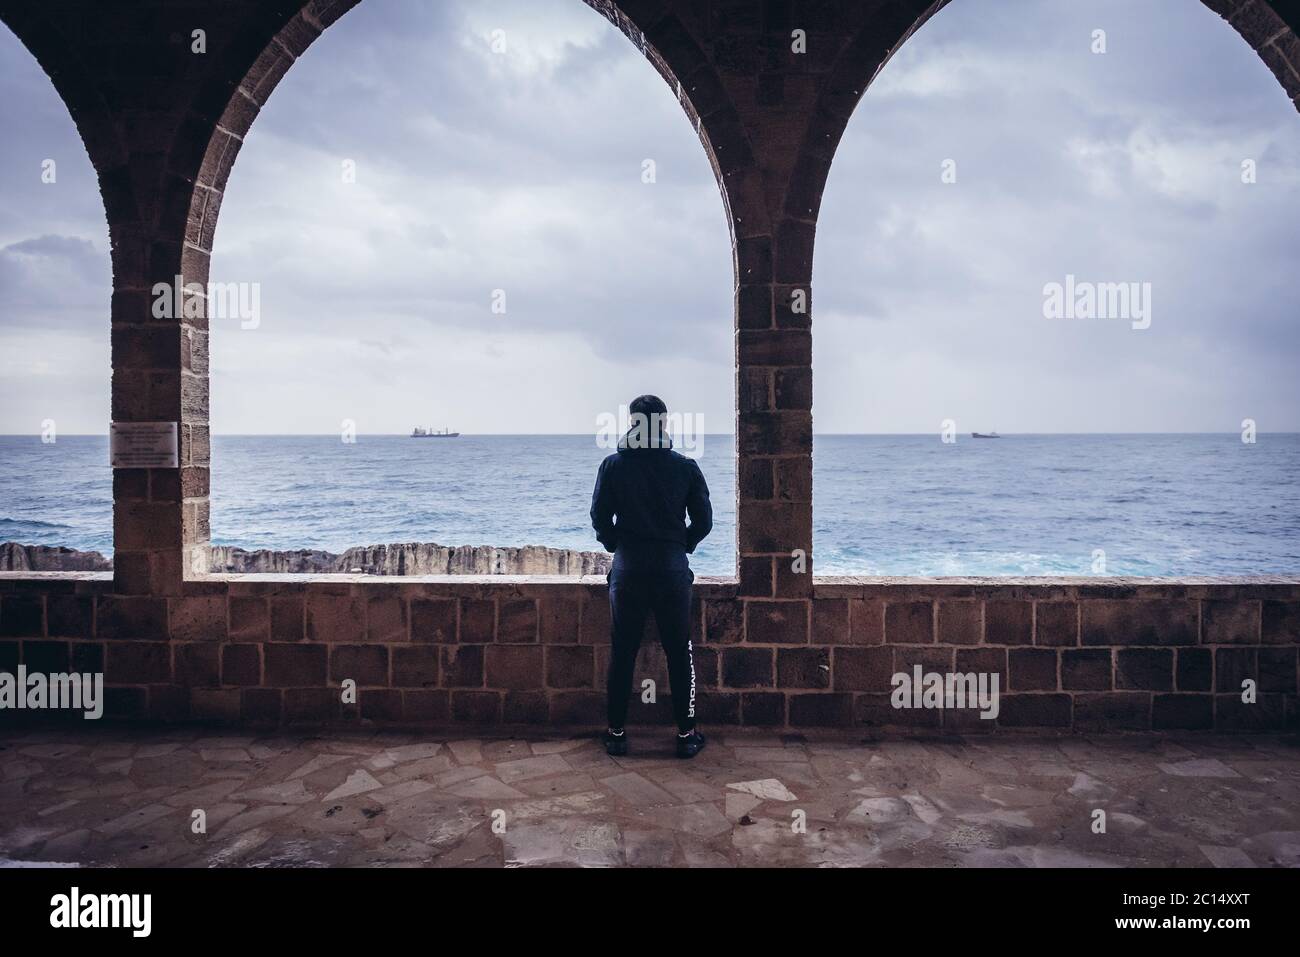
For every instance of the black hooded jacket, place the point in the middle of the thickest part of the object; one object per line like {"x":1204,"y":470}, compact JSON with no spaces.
{"x":643,"y":496}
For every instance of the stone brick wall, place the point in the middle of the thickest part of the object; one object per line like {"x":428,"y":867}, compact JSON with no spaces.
{"x":1095,"y":656}
{"x":163,"y":126}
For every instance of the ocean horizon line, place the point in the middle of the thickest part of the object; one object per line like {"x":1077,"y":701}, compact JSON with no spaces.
{"x":524,"y":435}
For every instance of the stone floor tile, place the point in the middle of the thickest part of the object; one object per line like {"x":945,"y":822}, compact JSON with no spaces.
{"x":446,"y":779}
{"x":358,"y":782}
{"x":212,"y":755}
{"x":701,"y":820}
{"x":485,"y":788}
{"x":636,"y":790}
{"x":134,"y":819}
{"x":511,"y":749}
{"x":570,"y":783}
{"x":561,"y":746}
{"x":466,"y":752}
{"x":767,"y":789}
{"x":319,"y":762}
{"x":649,"y":848}
{"x":1199,"y":768}
{"x":400,"y":791}
{"x":535,"y":767}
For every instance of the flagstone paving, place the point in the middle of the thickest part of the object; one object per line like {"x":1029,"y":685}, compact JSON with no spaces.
{"x":133,"y":797}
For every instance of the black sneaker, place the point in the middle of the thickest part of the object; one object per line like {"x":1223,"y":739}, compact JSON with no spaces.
{"x":689,"y":745}
{"x":616,"y":744}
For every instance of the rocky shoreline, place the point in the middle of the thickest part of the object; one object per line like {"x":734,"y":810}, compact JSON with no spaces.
{"x":408,"y":558}
{"x":15,"y":557}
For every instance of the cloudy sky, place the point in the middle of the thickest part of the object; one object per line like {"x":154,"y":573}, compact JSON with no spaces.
{"x":55,"y":276}
{"x":521,"y":170}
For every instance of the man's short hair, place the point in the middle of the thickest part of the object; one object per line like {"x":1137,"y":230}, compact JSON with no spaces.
{"x":648,"y":405}
{"x":649,"y":424}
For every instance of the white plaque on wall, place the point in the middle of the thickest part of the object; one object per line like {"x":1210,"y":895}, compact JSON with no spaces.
{"x":143,"y":445}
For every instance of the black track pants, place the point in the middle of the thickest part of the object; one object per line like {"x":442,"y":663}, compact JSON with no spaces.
{"x":633,"y":596}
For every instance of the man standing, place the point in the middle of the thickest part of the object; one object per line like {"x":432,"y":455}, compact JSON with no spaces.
{"x":644,"y":493}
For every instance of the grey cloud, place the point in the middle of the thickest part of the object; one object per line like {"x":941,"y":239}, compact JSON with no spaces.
{"x":47,"y":278}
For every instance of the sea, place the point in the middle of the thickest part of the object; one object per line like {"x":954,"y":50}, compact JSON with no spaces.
{"x":1142,"y":505}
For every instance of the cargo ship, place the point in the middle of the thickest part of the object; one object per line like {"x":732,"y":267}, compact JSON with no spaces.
{"x":985,"y":435}
{"x":419,"y":433}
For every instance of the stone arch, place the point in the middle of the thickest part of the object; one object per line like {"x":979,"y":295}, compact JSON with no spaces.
{"x":223,"y":110}
{"x":78,"y":89}
{"x":1263,"y":24}
{"x":870,"y":37}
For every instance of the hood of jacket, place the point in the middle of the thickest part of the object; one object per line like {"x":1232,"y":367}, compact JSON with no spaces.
{"x":630,"y":442}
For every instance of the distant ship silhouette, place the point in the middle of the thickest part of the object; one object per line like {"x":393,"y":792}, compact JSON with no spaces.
{"x":983,"y":435}
{"x":419,"y":433}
